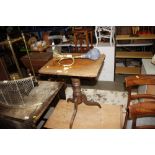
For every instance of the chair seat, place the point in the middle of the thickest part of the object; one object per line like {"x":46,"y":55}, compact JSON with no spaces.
{"x":104,"y":36}
{"x":142,"y":109}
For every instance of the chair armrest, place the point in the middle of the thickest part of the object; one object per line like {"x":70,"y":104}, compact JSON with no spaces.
{"x":148,"y":96}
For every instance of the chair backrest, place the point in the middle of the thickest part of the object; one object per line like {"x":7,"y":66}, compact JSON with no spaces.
{"x":105,"y":32}
{"x":140,"y":80}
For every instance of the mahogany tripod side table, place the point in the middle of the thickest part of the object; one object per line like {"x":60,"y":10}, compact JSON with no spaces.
{"x":81,"y":68}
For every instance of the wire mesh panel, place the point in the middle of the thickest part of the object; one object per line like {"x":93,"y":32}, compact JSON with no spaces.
{"x":12,"y":92}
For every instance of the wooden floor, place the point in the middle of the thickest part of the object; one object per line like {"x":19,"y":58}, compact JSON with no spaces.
{"x":87,"y":117}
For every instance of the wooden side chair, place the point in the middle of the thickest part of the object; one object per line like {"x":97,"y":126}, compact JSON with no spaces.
{"x":83,"y":36}
{"x":144,"y":105}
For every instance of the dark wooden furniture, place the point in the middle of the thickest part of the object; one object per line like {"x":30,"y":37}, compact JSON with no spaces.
{"x":4,"y":75}
{"x":81,"y":68}
{"x":29,"y":116}
{"x":145,"y":105}
{"x":38,"y":59}
{"x":83,"y":35}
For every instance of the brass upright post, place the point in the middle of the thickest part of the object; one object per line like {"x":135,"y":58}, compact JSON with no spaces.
{"x":14,"y":56}
{"x":35,"y":79}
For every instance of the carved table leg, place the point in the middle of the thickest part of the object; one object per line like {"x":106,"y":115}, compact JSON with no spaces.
{"x":78,"y":98}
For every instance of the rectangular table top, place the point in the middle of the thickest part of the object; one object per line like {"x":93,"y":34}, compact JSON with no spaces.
{"x":80,"y":68}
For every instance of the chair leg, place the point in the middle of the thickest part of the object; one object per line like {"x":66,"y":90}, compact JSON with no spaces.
{"x":96,"y":35}
{"x":110,"y":40}
{"x":81,"y":48}
{"x":126,"y":120}
{"x":96,"y":41}
{"x":87,"y":41}
{"x":91,"y":39}
{"x":75,"y":42}
{"x":134,"y":123}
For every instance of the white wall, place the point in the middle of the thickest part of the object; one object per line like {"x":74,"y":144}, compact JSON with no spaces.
{"x":107,"y":71}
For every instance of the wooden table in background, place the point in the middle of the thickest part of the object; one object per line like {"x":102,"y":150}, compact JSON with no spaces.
{"x":38,"y":59}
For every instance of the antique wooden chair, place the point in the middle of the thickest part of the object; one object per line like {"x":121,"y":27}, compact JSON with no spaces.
{"x":144,"y":105}
{"x":83,"y":36}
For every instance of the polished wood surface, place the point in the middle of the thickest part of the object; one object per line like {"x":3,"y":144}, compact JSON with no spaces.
{"x":140,"y":80}
{"x":81,"y":67}
{"x":139,"y":37}
{"x":142,"y":108}
{"x":88,"y":117}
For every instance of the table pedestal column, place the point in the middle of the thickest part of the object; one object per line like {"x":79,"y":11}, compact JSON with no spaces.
{"x":78,"y":98}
